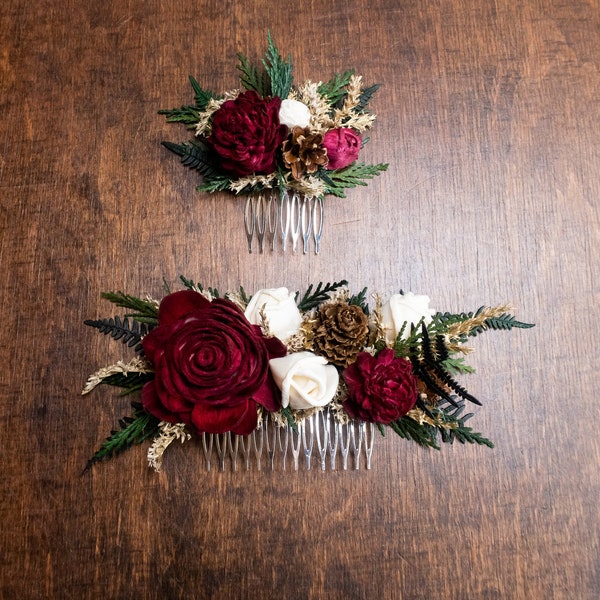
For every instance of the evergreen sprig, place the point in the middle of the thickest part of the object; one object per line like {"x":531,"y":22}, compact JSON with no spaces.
{"x":145,"y":311}
{"x":435,"y":368}
{"x":356,"y":174}
{"x":194,"y":155}
{"x":133,"y":430}
{"x":505,"y":322}
{"x":422,"y":433}
{"x":278,"y":69}
{"x":360,"y":299}
{"x":187,"y":114}
{"x":335,"y":88}
{"x":312,"y":299}
{"x":457,"y":430}
{"x":253,"y":78}
{"x":365,"y":97}
{"x":121,"y":329}
{"x":130,"y":382}
{"x":198,"y":287}
{"x":201,"y":96}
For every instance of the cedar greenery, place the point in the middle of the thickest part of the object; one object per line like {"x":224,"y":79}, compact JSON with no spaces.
{"x":312,"y":299}
{"x":133,"y":430}
{"x":356,"y":174}
{"x":271,"y":76}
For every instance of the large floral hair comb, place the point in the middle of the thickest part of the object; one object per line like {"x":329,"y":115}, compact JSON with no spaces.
{"x":283,"y":145}
{"x":280,"y":379}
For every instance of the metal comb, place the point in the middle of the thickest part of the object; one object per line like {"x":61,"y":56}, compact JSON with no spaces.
{"x":318,"y":442}
{"x":271,"y":218}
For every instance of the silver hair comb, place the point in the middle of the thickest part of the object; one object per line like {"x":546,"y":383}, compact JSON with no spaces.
{"x":319,"y":441}
{"x":272,"y":218}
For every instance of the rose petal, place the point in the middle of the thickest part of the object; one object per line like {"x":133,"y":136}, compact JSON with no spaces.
{"x":177,"y":305}
{"x":240,"y":419}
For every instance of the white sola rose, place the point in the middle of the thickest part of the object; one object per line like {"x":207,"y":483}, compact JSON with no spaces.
{"x":305,"y":380}
{"x":280,"y":310}
{"x":406,"y":308}
{"x":294,"y":114}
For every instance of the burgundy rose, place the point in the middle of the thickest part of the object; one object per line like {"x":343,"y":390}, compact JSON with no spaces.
{"x":211,"y":366}
{"x":343,"y":146}
{"x":381,"y":388}
{"x":246,"y":133}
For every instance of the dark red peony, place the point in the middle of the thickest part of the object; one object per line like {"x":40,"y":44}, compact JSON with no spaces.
{"x":246,"y":134}
{"x":343,"y":146}
{"x":381,"y":388}
{"x":211,"y":365}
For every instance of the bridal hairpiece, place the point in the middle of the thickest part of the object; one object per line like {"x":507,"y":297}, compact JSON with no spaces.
{"x":285,"y":146}
{"x":279,"y":379}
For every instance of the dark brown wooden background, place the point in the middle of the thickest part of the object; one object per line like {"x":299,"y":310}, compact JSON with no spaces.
{"x":488,"y":115}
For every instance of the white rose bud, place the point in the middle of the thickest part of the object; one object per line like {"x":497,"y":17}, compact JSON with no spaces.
{"x":305,"y":380}
{"x":294,"y":114}
{"x":406,"y":308}
{"x":280,"y":310}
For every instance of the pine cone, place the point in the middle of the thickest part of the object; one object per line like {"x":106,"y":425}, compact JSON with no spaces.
{"x":303,"y":152}
{"x":341,"y":332}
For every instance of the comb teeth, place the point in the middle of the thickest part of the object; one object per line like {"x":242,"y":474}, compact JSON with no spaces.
{"x":318,"y":442}
{"x":270,"y":217}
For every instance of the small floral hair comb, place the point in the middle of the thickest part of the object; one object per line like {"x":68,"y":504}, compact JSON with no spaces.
{"x":284,"y":146}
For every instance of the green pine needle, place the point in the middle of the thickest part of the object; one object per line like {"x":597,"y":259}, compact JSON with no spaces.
{"x":253,"y":78}
{"x":360,"y":299}
{"x":143,"y":308}
{"x":133,"y":430}
{"x":201,"y":96}
{"x":312,"y":299}
{"x":457,"y":365}
{"x":335,"y":88}
{"x":130,"y":382}
{"x":365,"y":98}
{"x":409,"y":429}
{"x":355,"y":174}
{"x":278,"y":69}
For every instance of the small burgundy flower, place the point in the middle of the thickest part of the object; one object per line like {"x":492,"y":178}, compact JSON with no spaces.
{"x":343,"y":146}
{"x":211,"y":366}
{"x":381,"y":388}
{"x":246,"y":134}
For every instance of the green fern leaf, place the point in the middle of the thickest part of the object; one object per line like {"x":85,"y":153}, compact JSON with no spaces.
{"x":194,"y":155}
{"x":120,"y":329}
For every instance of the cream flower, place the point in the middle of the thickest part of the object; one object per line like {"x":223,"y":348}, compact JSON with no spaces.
{"x":305,"y":380}
{"x":406,"y":308}
{"x":294,"y":113}
{"x":280,"y":310}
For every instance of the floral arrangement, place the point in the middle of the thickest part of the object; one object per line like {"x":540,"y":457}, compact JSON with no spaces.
{"x":272,"y":133}
{"x":211,"y":364}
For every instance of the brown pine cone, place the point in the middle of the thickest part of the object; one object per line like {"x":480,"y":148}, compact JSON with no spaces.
{"x":303,"y":152}
{"x":341,"y":332}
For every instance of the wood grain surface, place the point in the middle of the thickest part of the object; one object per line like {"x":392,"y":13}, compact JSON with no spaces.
{"x":488,"y":115}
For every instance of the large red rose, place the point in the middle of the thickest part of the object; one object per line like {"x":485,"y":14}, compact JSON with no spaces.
{"x":343,"y":146}
{"x":211,"y":366}
{"x":246,"y":134}
{"x":381,"y":388}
